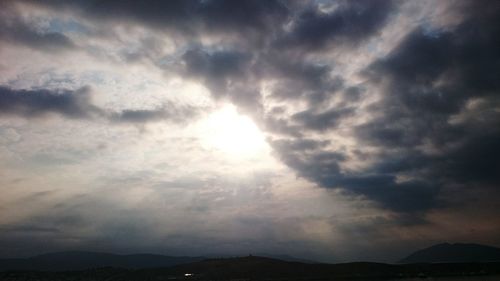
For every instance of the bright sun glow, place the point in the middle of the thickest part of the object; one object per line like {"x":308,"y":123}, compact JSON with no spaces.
{"x":232,"y":133}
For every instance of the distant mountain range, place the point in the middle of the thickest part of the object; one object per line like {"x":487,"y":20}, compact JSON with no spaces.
{"x":458,"y":252}
{"x":288,"y":258}
{"x":261,"y":268}
{"x":79,"y":260}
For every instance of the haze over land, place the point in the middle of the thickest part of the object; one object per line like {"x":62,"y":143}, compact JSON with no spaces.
{"x":326,"y":130}
{"x":82,"y":266}
{"x":458,"y":256}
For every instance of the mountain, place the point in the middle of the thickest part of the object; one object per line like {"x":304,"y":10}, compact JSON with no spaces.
{"x":282,"y":257}
{"x":458,"y":252}
{"x":78,"y":260}
{"x":261,"y":268}
{"x":286,"y":258}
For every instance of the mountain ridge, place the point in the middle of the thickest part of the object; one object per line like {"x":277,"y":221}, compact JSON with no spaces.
{"x":82,"y":260}
{"x":454,"y":252}
{"x":262,"y":268}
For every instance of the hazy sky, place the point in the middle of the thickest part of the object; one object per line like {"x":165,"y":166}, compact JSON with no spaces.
{"x":328,"y":130}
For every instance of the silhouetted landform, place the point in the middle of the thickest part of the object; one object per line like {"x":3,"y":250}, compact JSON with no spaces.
{"x":287,"y":258}
{"x":78,"y":260}
{"x":454,"y":253}
{"x":81,"y":260}
{"x":260,"y":268}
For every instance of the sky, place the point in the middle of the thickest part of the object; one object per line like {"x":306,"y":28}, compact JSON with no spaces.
{"x":328,"y":130}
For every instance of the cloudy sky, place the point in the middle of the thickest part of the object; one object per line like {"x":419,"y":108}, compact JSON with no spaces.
{"x":328,"y":130}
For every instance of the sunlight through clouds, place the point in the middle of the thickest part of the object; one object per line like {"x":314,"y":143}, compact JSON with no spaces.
{"x":231,"y":133}
{"x":346,"y":129}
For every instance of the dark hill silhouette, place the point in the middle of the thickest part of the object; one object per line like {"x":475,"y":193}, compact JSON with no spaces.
{"x":261,"y":268}
{"x":458,"y":252}
{"x":79,"y":260}
{"x":258,"y":268}
{"x":282,"y":257}
{"x":286,"y":258}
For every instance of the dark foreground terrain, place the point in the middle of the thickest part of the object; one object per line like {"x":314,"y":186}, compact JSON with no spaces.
{"x":259,"y":268}
{"x":458,"y":252}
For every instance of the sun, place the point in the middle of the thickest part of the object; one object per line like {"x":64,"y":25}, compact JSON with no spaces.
{"x":230,"y":132}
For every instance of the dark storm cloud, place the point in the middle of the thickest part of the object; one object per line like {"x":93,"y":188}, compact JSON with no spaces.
{"x":296,"y":80}
{"x":431,"y":78}
{"x":428,"y":80}
{"x":256,"y":15}
{"x":310,"y":74}
{"x":300,"y":144}
{"x":476,"y":161}
{"x":322,"y":120}
{"x":34,"y":103}
{"x":408,"y":197}
{"x":319,"y":165}
{"x":217,"y":69}
{"x":299,"y":78}
{"x":227,"y":73}
{"x":189,"y":17}
{"x":350,"y":23}
{"x":281,"y":126}
{"x":353,"y":93}
{"x":236,"y":75}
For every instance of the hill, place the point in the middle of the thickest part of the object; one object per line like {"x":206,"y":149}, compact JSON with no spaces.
{"x":458,"y":252}
{"x":78,"y":260}
{"x":261,"y":268}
